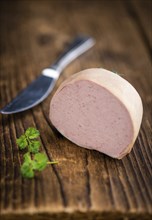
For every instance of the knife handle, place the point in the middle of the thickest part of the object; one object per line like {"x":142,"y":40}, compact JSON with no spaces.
{"x":80,"y":45}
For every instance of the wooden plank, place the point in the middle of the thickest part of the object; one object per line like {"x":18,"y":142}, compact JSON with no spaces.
{"x":87,"y":184}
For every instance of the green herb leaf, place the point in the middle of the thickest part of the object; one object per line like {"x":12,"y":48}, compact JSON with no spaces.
{"x":34,"y":146}
{"x":27,"y":158}
{"x":40,"y":161}
{"x":22,"y":142}
{"x":32,"y":133}
{"x":27,"y":170}
{"x":27,"y":166}
{"x":33,"y":161}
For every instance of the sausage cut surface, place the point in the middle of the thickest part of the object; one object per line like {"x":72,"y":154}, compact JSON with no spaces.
{"x":89,"y":114}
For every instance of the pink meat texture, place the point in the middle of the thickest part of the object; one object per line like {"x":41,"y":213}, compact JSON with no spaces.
{"x":99,"y":110}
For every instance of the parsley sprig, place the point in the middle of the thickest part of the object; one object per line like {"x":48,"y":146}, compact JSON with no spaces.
{"x":33,"y":159}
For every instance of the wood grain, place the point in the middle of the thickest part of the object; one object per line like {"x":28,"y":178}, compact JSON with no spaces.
{"x":141,"y":11}
{"x":85,"y":184}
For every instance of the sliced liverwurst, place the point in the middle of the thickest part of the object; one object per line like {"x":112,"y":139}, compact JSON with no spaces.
{"x":97,"y":109}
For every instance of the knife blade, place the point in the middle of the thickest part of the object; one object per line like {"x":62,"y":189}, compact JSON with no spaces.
{"x":40,"y":88}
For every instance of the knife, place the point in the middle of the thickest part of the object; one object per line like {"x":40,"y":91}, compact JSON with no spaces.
{"x":39,"y":89}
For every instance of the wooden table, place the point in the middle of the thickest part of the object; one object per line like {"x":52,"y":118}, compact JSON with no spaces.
{"x":85,"y":184}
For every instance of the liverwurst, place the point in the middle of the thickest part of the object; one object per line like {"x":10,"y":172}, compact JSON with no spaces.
{"x":99,"y":110}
